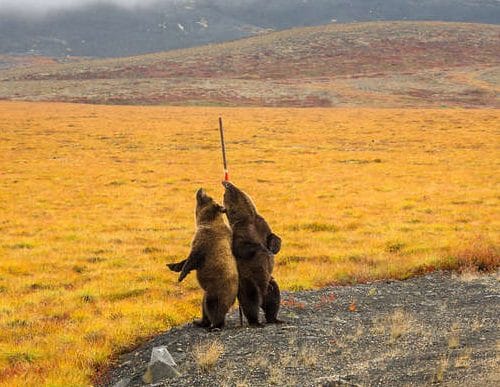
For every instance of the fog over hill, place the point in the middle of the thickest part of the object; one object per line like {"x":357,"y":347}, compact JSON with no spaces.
{"x":130,"y":27}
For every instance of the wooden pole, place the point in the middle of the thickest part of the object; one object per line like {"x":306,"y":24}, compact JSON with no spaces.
{"x":221,"y":129}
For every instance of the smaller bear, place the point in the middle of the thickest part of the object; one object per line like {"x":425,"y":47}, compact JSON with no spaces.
{"x":213,"y":261}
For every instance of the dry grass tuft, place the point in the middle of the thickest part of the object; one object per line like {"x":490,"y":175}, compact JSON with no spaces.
{"x":441,"y":368}
{"x":395,"y":325}
{"x":207,"y":354}
{"x":454,"y":337}
{"x":288,"y":359}
{"x":476,"y":325}
{"x":226,"y":374}
{"x":453,"y":341}
{"x":276,"y":376}
{"x":400,"y":324}
{"x":478,"y":255}
{"x":308,"y":356}
{"x":259,"y":361}
{"x":463,"y":360}
{"x":468,"y":276}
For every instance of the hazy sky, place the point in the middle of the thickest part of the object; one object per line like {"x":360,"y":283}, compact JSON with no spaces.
{"x":44,"y":5}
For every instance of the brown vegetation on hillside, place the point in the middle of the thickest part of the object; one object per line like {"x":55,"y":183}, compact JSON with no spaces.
{"x":365,"y":64}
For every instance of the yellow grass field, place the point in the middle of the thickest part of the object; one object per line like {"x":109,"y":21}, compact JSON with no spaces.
{"x":94,"y":200}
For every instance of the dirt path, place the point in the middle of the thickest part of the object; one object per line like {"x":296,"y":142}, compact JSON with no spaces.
{"x":438,"y":328}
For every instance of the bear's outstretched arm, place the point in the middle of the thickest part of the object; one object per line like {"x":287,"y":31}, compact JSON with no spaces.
{"x":272,"y":241}
{"x":177,"y":267}
{"x":193,"y":262}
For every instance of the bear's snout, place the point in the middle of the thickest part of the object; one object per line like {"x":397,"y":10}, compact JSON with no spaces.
{"x":226,"y":184}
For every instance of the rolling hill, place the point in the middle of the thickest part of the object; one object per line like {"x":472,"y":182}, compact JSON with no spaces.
{"x":397,"y":64}
{"x":103,"y":29}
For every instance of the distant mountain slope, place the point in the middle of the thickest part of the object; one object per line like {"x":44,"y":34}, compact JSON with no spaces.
{"x":325,"y":51}
{"x":105,"y":30}
{"x":368,"y":64}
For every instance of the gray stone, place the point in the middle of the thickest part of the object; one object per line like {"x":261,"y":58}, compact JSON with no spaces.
{"x":162,"y":354}
{"x":159,"y":371}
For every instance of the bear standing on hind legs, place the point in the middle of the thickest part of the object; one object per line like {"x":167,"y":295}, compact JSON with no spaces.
{"x":213,"y":261}
{"x":253,"y":246}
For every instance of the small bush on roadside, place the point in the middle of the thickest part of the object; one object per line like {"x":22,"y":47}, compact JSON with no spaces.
{"x":207,"y":354}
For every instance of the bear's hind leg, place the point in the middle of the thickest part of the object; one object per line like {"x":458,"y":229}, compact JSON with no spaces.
{"x":271,"y":303}
{"x":250,"y":298}
{"x":204,"y":322}
{"x":215,"y":312}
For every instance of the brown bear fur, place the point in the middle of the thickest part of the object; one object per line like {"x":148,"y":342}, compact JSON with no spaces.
{"x":254,"y":246}
{"x":213,"y":261}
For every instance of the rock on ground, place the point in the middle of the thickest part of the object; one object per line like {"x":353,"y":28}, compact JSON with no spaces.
{"x":440,"y":328}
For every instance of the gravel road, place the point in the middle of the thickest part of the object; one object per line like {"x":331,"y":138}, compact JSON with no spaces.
{"x":441,"y":328}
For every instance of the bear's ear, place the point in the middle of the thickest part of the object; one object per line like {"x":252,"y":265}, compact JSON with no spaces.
{"x":273,"y":243}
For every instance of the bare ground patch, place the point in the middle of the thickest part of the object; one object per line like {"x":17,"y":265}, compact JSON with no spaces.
{"x":440,"y":328}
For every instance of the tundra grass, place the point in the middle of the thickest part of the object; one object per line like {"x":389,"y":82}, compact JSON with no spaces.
{"x":95,"y":200}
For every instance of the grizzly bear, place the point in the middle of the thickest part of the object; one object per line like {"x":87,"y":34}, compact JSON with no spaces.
{"x":213,"y":261}
{"x":253,"y":245}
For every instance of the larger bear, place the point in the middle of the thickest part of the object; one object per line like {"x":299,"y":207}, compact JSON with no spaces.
{"x":253,"y":245}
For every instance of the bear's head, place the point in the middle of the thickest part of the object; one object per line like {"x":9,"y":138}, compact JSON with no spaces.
{"x":207,"y":209}
{"x":239,"y":207}
{"x":240,"y":210}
